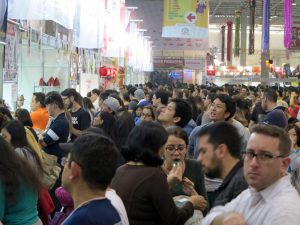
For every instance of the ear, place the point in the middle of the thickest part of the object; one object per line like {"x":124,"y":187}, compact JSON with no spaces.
{"x":284,"y":165}
{"x":222,"y":150}
{"x":227,"y":115}
{"x":75,"y":171}
{"x":176,"y":119}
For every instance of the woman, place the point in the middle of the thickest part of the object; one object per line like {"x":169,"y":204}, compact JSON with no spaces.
{"x":89,"y":107}
{"x":19,"y":185}
{"x":142,"y":185}
{"x":191,"y":179}
{"x":294,"y":167}
{"x":23,"y":116}
{"x":148,"y":114}
{"x":107,"y":122}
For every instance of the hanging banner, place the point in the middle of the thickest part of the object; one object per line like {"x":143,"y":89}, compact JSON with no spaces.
{"x":185,"y":19}
{"x":11,"y":54}
{"x":252,"y":27}
{"x":3,"y":20}
{"x":237,"y":33}
{"x":223,"y":43}
{"x":88,"y":25}
{"x":295,"y":39}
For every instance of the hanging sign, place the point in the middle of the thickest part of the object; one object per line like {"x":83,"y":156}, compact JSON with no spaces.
{"x":185,"y":19}
{"x":3,"y":20}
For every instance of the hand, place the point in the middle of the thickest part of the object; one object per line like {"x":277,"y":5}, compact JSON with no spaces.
{"x":175,"y":175}
{"x":188,"y":187}
{"x":198,"y":202}
{"x":234,"y":219}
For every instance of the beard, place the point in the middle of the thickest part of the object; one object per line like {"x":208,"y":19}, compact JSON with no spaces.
{"x":213,"y":173}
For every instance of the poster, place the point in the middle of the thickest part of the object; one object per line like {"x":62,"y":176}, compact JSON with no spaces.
{"x":186,"y":19}
{"x":11,"y":54}
{"x":3,"y":19}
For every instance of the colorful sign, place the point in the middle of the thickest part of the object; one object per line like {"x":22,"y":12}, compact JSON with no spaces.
{"x":186,"y":19}
{"x":168,"y":63}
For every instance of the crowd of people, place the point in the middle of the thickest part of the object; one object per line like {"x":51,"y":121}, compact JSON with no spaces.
{"x":153,"y":154}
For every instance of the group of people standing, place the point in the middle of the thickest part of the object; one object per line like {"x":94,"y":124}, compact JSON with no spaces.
{"x":153,"y":155}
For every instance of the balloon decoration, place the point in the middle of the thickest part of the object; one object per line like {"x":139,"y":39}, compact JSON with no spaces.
{"x":266,"y":26}
{"x":287,"y":23}
{"x":229,"y":34}
{"x":237,"y":33}
{"x":223,"y":43}
{"x":108,"y":73}
{"x":252,"y":27}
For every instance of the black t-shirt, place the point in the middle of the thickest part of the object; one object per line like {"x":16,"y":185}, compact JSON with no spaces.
{"x":258,"y":113}
{"x":81,"y":120}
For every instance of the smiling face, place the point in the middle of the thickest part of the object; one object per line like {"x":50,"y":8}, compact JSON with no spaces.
{"x":262,"y":174}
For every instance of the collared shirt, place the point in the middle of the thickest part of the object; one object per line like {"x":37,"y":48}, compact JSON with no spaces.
{"x":278,"y":204}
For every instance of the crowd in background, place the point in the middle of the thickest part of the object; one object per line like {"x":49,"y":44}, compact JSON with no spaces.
{"x":129,"y":156}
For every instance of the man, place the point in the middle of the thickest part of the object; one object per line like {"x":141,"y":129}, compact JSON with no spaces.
{"x":270,"y":198}
{"x":177,"y":113}
{"x":160,"y":100}
{"x":38,"y":114}
{"x":275,"y":115}
{"x":89,"y":168}
{"x":95,"y":93}
{"x":220,"y":146}
{"x":223,"y":108}
{"x":58,"y":130}
{"x":79,"y":119}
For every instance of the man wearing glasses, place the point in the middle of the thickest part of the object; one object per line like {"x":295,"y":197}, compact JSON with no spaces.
{"x":270,"y":198}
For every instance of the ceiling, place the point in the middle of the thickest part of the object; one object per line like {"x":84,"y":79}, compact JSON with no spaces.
{"x":151,"y":12}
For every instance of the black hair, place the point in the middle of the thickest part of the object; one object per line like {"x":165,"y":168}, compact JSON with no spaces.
{"x":104,"y":95}
{"x":97,"y":157}
{"x":17,"y":132}
{"x":40,"y":97}
{"x":183,"y":110}
{"x":54,"y":97}
{"x":87,"y":103}
{"x":149,"y":85}
{"x":163,"y":95}
{"x":132,"y":90}
{"x":270,"y":94}
{"x":229,"y":104}
{"x":23,"y":116}
{"x":223,"y":133}
{"x":15,"y":172}
{"x":126,"y":97}
{"x":71,"y":92}
{"x":178,"y":132}
{"x":144,"y":143}
{"x":6,"y":112}
{"x":96,"y":91}
{"x":89,"y":94}
{"x":297,"y":129}
{"x":109,"y":125}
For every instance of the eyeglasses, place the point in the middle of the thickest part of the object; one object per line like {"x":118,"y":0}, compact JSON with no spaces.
{"x":172,"y":148}
{"x":260,"y":156}
{"x":146,"y":115}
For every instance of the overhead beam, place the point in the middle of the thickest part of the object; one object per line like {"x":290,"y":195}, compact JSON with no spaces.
{"x":217,"y":7}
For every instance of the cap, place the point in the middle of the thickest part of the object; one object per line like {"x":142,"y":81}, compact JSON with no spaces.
{"x":282,"y":103}
{"x":112,"y":103}
{"x":139,"y":94}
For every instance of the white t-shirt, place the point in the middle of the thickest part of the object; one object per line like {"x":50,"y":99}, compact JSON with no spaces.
{"x":117,"y":202}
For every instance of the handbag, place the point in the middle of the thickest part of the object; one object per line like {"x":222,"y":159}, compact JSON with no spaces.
{"x":51,"y":169}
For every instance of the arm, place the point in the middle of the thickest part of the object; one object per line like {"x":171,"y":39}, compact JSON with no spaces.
{"x":164,"y":204}
{"x":230,"y":218}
